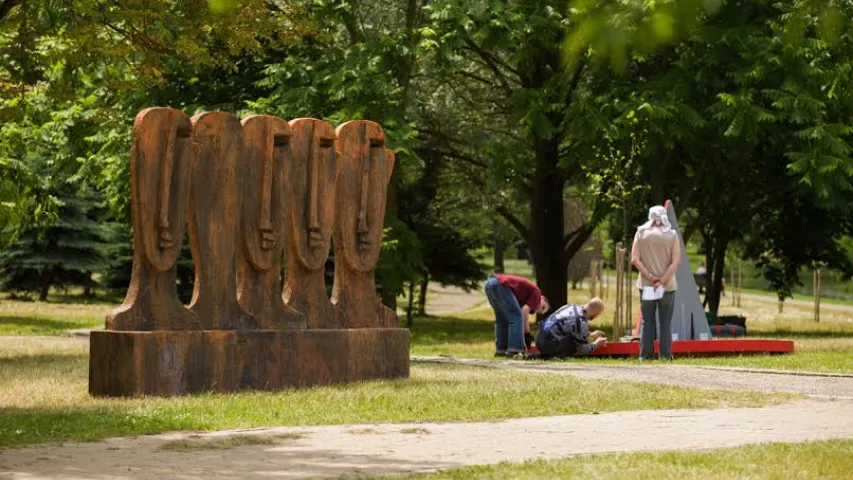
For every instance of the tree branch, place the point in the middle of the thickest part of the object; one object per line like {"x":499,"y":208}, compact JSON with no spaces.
{"x":576,"y":77}
{"x":271,"y":6}
{"x":490,"y":62}
{"x":582,"y":234}
{"x":489,"y":57}
{"x":569,"y":236}
{"x":691,"y":229}
{"x":515,"y":222}
{"x":457,"y":156}
{"x":6,"y":6}
{"x":474,"y":76}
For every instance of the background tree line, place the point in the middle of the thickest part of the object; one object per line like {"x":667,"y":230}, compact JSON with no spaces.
{"x":499,"y":112}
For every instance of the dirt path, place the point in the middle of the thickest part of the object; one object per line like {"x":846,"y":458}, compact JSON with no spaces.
{"x":329,"y":452}
{"x":818,"y":385}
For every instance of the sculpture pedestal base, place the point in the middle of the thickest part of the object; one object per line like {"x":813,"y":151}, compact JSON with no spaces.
{"x":164,"y":363}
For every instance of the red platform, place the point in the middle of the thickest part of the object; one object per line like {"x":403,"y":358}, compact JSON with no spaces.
{"x":686,"y":348}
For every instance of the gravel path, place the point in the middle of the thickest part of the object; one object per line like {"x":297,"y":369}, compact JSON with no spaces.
{"x":818,"y":385}
{"x":330,"y":452}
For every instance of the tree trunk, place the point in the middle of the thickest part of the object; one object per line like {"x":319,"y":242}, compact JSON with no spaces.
{"x":715,"y":287}
{"x":46,"y":280}
{"x":709,"y":271}
{"x":87,"y":290}
{"x":410,"y":305}
{"x":392,"y":208}
{"x":658,"y":180}
{"x":422,"y":294}
{"x":500,"y":247}
{"x":547,"y":227}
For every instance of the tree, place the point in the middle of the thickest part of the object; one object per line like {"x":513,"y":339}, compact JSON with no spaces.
{"x":535,"y":123}
{"x":62,"y":255}
{"x":754,"y":124}
{"x":364,"y":63}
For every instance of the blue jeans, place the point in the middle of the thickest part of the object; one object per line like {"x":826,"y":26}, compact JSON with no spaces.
{"x":663,"y":308}
{"x":509,"y":323}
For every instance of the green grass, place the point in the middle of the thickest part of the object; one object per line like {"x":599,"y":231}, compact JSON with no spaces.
{"x":56,"y":317}
{"x":797,"y":297}
{"x":831,"y":459}
{"x":823,"y":347}
{"x":819,"y":347}
{"x":43,"y":398}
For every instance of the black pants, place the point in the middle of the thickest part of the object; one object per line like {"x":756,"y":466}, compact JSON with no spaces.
{"x":549,"y":346}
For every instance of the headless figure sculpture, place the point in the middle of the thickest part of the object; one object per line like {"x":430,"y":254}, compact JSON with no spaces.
{"x":160,"y":164}
{"x":214,"y":219}
{"x":312,"y":210}
{"x":365,"y":170}
{"x":266,"y":164}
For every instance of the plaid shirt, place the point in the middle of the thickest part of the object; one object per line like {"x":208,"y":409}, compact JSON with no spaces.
{"x":570,"y":321}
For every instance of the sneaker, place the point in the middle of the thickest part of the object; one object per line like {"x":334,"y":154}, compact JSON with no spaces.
{"x":516,"y":355}
{"x":500,"y":353}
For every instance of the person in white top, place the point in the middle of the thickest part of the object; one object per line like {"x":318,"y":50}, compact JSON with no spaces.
{"x":657,"y":254}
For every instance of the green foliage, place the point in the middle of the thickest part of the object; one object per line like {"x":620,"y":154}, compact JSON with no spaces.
{"x":62,"y":255}
{"x":490,"y":106}
{"x":743,"y":125}
{"x":623,"y":31}
{"x":400,"y":260}
{"x":223,"y":6}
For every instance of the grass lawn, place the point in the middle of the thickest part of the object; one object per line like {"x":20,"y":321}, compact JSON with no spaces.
{"x":823,"y":347}
{"x":19,"y":317}
{"x":43,"y":397}
{"x":831,"y":459}
{"x":820,"y":347}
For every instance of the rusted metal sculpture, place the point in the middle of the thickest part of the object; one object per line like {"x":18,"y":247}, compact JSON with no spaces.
{"x":312,"y":201}
{"x":214,"y":214}
{"x":160,"y":163}
{"x":366,"y":167}
{"x":250,"y":192}
{"x":266,"y":206}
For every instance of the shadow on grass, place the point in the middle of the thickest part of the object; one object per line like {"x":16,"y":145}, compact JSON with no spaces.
{"x":28,"y":323}
{"x":431,"y":330}
{"x":22,"y":426}
{"x":100,"y":299}
{"x":103,"y":418}
{"x":439,"y":330}
{"x":70,"y":298}
{"x":42,"y":366}
{"x":784,"y":334}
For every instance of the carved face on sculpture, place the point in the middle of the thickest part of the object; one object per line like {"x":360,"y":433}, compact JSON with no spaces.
{"x":366,"y":167}
{"x":266,"y":160}
{"x":312,"y":190}
{"x":161,"y":160}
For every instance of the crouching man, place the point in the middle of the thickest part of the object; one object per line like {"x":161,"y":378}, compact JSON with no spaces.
{"x":565,"y":333}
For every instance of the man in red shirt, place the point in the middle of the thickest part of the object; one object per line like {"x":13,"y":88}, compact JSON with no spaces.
{"x":513,"y":299}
